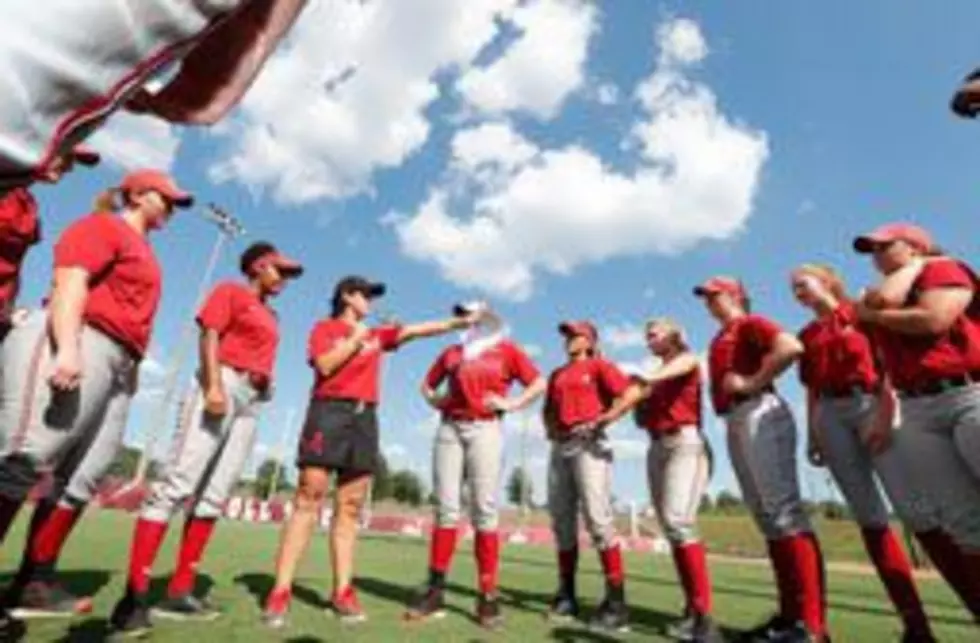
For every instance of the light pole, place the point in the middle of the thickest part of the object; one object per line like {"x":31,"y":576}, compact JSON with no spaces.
{"x":228,"y":228}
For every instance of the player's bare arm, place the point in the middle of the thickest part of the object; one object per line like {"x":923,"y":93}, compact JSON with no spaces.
{"x":215,"y":402}
{"x":935,"y":312}
{"x":67,"y":303}
{"x":785,"y":350}
{"x":814,"y":447}
{"x":520,"y":401}
{"x":411,"y":332}
{"x":330,"y":362}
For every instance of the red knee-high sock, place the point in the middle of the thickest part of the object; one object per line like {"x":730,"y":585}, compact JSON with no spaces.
{"x":949,"y":560}
{"x":896,"y":575}
{"x":49,"y":532}
{"x":781,"y":558}
{"x":147,"y":538}
{"x":612,"y":565}
{"x":8,"y":513}
{"x":808,"y":563}
{"x":441,"y":548}
{"x":487,"y":548}
{"x":692,"y":568}
{"x":197,"y":533}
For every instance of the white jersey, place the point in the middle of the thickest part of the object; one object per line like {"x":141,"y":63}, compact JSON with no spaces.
{"x":66,"y":65}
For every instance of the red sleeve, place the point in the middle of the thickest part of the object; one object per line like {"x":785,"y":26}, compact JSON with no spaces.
{"x":323,"y":338}
{"x":437,"y":372}
{"x":18,"y":211}
{"x":388,"y":336}
{"x":217,"y":312}
{"x":761,"y":331}
{"x":945,"y":273}
{"x":613,"y":380}
{"x":521,"y":366}
{"x":86,"y":244}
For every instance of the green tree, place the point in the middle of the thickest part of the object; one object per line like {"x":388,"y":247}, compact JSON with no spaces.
{"x":264,"y":476}
{"x":407,"y":488}
{"x":519,"y":487}
{"x":126,"y":464}
{"x":727,"y":502}
{"x":381,"y":488}
{"x":707,"y":506}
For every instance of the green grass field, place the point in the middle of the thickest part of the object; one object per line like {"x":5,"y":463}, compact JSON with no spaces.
{"x":237,"y":571}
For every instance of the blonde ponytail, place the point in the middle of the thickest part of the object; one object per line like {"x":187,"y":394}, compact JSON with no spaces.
{"x":108,"y":200}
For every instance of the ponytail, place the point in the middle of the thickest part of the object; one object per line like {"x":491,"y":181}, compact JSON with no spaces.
{"x":108,"y":200}
{"x":830,"y":278}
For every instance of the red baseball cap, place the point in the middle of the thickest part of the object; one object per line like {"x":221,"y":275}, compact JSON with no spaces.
{"x":143,"y":180}
{"x":85,"y":155}
{"x":720,"y":285}
{"x":911,"y":234}
{"x":579,"y":329}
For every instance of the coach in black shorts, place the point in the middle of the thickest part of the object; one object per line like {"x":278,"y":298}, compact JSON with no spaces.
{"x":340,"y":435}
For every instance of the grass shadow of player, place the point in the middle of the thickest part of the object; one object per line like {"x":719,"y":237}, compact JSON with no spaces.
{"x":80,"y":582}
{"x":398,"y":594}
{"x":259,"y":586}
{"x":158,"y":587}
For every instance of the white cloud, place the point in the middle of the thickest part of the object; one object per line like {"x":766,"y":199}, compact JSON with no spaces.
{"x":533,"y":350}
{"x":649,"y":292}
{"x":542,"y":67}
{"x":622,"y":336}
{"x":346,"y":95}
{"x":133,"y":141}
{"x":524,"y":209}
{"x":641,"y":367}
{"x":607,"y":94}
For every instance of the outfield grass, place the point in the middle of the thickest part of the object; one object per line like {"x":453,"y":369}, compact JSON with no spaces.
{"x":238,"y":566}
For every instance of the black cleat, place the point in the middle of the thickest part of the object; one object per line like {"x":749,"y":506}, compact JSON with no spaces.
{"x":683,"y":630}
{"x":771,"y":630}
{"x":612,"y":616}
{"x":563,"y":608}
{"x":799,"y":634}
{"x":41,"y":599}
{"x":130,"y":618}
{"x":429,"y":603}
{"x":186,"y":608}
{"x":488,"y":613}
{"x":11,"y":629}
{"x":706,"y":630}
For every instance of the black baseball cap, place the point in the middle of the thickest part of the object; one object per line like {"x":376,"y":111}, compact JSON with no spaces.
{"x":357,"y":283}
{"x":289,"y":268}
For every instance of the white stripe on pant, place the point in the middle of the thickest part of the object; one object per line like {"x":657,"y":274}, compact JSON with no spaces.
{"x":580,"y":475}
{"x":762,"y":447}
{"x":469,"y":451}
{"x":840,"y":422}
{"x":677,"y":472}
{"x":209,"y":453}
{"x":77,"y":433}
{"x":943,"y":433}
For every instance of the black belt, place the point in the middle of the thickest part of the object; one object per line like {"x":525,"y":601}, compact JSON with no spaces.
{"x":854,"y":390}
{"x":941,"y":385}
{"x":741,"y":398}
{"x":356,"y":405}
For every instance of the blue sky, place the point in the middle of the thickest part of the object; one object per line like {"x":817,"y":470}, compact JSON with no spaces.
{"x":564,"y":159}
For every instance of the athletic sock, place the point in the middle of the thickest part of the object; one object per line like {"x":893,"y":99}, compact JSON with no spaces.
{"x":197,"y":534}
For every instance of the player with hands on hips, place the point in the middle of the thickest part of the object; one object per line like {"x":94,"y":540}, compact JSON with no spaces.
{"x":468,"y":384}
{"x":850,"y":411}
{"x":580,"y":472}
{"x":745,"y":357}
{"x":239,"y":338}
{"x":929,"y":345}
{"x":340,"y":437}
{"x":667,"y":405}
{"x":69,"y":373}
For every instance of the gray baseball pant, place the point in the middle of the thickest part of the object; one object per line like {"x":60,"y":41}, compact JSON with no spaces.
{"x":677,"y":472}
{"x":762,"y":446}
{"x":580,"y":477}
{"x":840,"y":422}
{"x":76,"y":433}
{"x":470,"y":451}
{"x":942,"y":432}
{"x":209,"y":453}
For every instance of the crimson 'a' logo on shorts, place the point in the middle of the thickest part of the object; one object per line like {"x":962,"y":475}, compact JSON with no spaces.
{"x":314,"y":444}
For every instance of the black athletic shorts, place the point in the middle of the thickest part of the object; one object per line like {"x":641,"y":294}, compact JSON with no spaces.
{"x":340,"y":435}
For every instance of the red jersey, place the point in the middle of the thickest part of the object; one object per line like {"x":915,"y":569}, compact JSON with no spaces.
{"x":470,"y":381}
{"x":914,"y":360}
{"x":248,"y":330}
{"x":359,"y":377}
{"x":581,"y":390}
{"x":672,"y":404}
{"x":20,"y":229}
{"x":124,"y":277}
{"x":837,"y":353}
{"x":739,"y":347}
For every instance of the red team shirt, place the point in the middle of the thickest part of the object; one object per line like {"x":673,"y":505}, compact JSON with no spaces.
{"x":914,"y":360}
{"x":738,"y":348}
{"x":248,"y":330}
{"x":20,"y":229}
{"x":124,"y":277}
{"x":359,"y":377}
{"x":581,"y":390}
{"x":673,"y":404}
{"x":837,"y":353}
{"x":470,"y":381}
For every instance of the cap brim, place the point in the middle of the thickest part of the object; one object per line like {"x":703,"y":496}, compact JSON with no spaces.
{"x":460,"y":310}
{"x":288,"y":267}
{"x":181,"y":199}
{"x":86,"y":156}
{"x":568,"y":329}
{"x":701,"y":291}
{"x":865,"y":244}
{"x":375,"y":290}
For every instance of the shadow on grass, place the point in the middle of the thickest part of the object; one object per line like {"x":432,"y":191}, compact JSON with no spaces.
{"x":259,"y":586}
{"x":82,"y":582}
